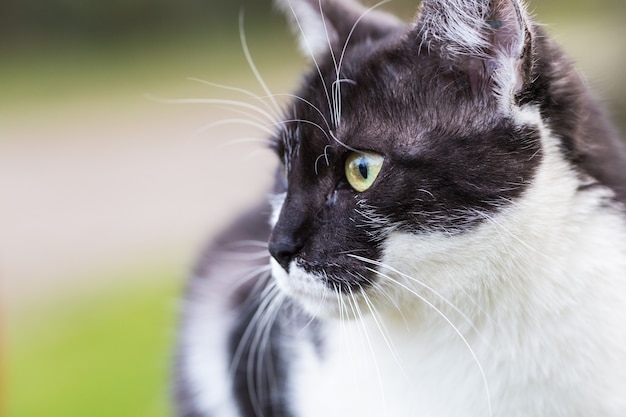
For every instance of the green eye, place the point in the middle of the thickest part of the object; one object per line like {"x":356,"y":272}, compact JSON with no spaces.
{"x":362,"y":168}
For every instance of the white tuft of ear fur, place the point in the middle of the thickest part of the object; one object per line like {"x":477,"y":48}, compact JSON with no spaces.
{"x":457,"y":26}
{"x":488,"y":37}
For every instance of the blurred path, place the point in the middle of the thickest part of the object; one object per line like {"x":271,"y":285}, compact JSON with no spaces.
{"x":86,"y":187}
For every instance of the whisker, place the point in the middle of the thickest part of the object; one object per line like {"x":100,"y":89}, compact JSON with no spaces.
{"x":305,"y":122}
{"x":260,"y":344}
{"x":325,"y":156}
{"x":456,"y":330}
{"x":233,"y":142}
{"x":257,"y":271}
{"x":350,"y":148}
{"x":342,"y":313}
{"x":420,"y":283}
{"x":383,"y":332}
{"x":249,"y":242}
{"x":315,"y":314}
{"x":308,"y":45}
{"x":336,"y":93}
{"x":239,"y":90}
{"x":265,"y":298}
{"x":246,"y":256}
{"x":255,"y":336}
{"x":384,"y":291}
{"x":225,"y":122}
{"x":492,"y":220}
{"x":359,"y":317}
{"x":249,"y":116}
{"x":313,"y":106}
{"x":255,"y":71}
{"x":337,"y":83}
{"x":226,"y":102}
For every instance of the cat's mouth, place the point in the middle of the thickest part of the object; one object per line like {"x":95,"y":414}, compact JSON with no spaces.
{"x":324,"y":291}
{"x":306,"y":288}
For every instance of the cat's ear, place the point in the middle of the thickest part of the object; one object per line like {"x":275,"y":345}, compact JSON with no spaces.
{"x":323,"y":26}
{"x":490,"y":39}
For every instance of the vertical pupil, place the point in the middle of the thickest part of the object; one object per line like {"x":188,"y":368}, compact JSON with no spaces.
{"x":363,"y":168}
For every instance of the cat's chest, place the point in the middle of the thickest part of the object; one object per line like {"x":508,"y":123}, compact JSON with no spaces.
{"x":360,"y":372}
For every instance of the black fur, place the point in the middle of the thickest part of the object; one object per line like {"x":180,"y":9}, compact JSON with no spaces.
{"x":251,"y":226}
{"x":259,"y":385}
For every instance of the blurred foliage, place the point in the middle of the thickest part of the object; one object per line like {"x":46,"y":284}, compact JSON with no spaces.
{"x":28,"y":21}
{"x":102,"y":357}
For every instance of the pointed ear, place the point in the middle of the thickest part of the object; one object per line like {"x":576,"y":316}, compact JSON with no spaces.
{"x":490,"y":39}
{"x":325,"y":25}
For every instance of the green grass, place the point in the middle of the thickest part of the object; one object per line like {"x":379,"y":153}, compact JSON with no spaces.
{"x":105,"y":356}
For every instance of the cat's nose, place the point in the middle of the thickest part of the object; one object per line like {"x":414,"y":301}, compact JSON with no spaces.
{"x":284,"y":252}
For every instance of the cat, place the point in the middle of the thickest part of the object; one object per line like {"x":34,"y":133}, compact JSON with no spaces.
{"x":446,"y":235}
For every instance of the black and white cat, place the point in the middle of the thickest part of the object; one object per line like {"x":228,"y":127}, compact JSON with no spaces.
{"x":447,"y":233}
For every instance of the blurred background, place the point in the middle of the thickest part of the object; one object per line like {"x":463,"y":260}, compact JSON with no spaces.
{"x":109,"y":185}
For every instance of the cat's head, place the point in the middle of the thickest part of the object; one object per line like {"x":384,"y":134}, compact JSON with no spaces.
{"x":413,"y":150}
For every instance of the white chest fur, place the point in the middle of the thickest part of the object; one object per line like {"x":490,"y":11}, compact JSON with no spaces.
{"x":541,"y":364}
{"x":363,"y":373}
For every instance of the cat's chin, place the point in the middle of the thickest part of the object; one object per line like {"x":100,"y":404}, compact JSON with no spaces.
{"x":309,"y":291}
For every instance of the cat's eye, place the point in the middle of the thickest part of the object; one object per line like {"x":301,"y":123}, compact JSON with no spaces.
{"x":362,"y":168}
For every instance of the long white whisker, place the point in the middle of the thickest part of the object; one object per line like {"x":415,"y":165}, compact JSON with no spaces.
{"x":260,"y":343}
{"x":250,"y":116}
{"x":305,"y":122}
{"x":315,"y":314}
{"x":249,"y":242}
{"x":258,"y":271}
{"x":382,"y":290}
{"x":308,"y":45}
{"x":325,"y":156}
{"x":505,"y":229}
{"x":420,"y":283}
{"x":342,"y":313}
{"x":313,"y":106}
{"x":337,"y":84}
{"x":359,"y":317}
{"x":266,"y":298}
{"x":225,"y":122}
{"x":456,"y":330}
{"x":345,"y":45}
{"x":239,"y":141}
{"x":365,"y":13}
{"x":350,"y":148}
{"x":225,"y":102}
{"x":257,"y":74}
{"x":383,"y":332}
{"x":252,"y":256}
{"x":336,"y":101}
{"x":239,"y":90}
{"x":330,"y":45}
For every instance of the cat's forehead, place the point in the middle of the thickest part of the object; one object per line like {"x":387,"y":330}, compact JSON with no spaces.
{"x":386,"y":93}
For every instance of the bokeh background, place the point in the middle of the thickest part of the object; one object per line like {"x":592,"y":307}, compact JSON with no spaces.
{"x":108,"y":185}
